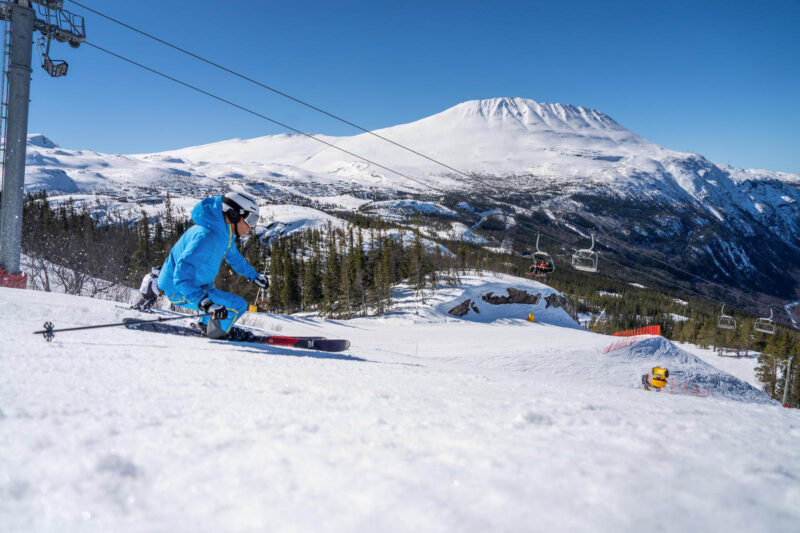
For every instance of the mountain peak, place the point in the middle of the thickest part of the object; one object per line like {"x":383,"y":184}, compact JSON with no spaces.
{"x":37,"y":139}
{"x":535,"y":115}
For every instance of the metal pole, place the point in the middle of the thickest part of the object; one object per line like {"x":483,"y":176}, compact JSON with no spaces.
{"x":19,"y":90}
{"x":786,"y":382}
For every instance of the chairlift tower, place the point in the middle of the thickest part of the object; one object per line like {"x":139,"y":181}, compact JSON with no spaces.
{"x":20,"y":20}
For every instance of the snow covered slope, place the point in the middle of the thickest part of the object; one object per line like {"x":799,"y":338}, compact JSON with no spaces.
{"x":428,"y":423}
{"x":565,"y":144}
{"x":740,"y":227}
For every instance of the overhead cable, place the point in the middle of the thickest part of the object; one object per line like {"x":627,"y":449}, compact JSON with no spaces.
{"x":318,"y":109}
{"x":718,"y":284}
{"x":276,"y":91}
{"x":260,"y":115}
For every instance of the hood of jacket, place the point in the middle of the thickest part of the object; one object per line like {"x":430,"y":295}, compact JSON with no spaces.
{"x":208,"y":214}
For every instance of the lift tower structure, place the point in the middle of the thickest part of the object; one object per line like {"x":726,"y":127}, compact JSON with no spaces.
{"x":20,"y":21}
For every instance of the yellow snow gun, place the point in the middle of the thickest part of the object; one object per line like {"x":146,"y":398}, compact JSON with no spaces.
{"x":656,"y":379}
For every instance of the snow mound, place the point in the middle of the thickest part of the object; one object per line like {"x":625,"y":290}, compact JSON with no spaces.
{"x":509,"y":298}
{"x":684,"y":368}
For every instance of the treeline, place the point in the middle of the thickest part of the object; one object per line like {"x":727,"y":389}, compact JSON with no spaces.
{"x":337,"y":272}
{"x":347,"y":272}
{"x":90,"y":254}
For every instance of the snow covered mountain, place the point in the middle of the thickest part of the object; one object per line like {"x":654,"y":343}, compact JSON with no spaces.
{"x":543,"y":165}
{"x":430,"y":422}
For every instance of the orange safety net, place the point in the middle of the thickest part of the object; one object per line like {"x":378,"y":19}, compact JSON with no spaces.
{"x":647,"y":330}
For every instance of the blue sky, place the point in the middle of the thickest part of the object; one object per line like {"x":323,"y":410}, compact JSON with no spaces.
{"x":718,"y":78}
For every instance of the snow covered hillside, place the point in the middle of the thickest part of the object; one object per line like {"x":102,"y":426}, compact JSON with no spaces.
{"x":430,"y":422}
{"x":540,"y":144}
{"x":525,"y":158}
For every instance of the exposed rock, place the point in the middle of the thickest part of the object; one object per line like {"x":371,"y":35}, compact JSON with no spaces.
{"x":515,"y":296}
{"x":557,"y":300}
{"x":462,"y":308}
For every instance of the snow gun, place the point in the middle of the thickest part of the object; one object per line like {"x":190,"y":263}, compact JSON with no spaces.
{"x":49,"y":332}
{"x":657,"y":378}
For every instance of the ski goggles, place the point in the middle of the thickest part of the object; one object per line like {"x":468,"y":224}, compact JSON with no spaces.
{"x":251,"y":219}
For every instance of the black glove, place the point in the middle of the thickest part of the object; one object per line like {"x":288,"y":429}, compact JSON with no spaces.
{"x":216,"y":311}
{"x":262,"y":281}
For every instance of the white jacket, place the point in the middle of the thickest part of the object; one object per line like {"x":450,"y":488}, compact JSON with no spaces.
{"x":150,"y":283}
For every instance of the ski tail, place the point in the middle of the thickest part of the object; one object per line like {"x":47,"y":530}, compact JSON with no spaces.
{"x":309,"y":343}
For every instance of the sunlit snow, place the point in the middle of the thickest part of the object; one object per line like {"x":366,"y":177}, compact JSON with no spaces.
{"x":429,"y":422}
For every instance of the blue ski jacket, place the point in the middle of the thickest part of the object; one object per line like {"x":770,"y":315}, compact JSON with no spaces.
{"x":188,"y":273}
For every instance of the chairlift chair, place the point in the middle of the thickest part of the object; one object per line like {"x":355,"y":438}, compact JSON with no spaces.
{"x":765,"y":325}
{"x":54,"y":67}
{"x":542,"y":262}
{"x":585,"y":259}
{"x":725,"y":321}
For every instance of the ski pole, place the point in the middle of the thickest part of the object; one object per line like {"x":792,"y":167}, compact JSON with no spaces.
{"x":48,"y":332}
{"x":259,"y":298}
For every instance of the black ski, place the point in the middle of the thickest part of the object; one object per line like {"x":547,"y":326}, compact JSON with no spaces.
{"x":321,"y":344}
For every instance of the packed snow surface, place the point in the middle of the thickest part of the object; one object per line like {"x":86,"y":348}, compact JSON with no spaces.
{"x":428,"y":423}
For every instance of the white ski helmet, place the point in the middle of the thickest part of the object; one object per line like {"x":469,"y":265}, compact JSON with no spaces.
{"x":238,"y":206}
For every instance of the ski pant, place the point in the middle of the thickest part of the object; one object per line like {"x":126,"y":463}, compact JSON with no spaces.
{"x":147,"y":300}
{"x":236,"y":306}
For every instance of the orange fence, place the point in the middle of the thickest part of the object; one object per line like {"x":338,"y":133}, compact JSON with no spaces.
{"x":647,"y":330}
{"x":632,"y":336}
{"x":689,"y":390}
{"x":623,"y":343}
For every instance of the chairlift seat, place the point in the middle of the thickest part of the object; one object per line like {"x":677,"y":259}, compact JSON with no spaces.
{"x":585,"y":260}
{"x":55,"y":68}
{"x":542,"y":264}
{"x":726,"y":322}
{"x":764,"y":325}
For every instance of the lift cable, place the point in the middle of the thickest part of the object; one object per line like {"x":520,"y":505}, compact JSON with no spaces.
{"x":221,"y":99}
{"x":216,"y":97}
{"x":281,"y":93}
{"x":716,"y":283}
{"x":659,"y":280}
{"x":316,"y":108}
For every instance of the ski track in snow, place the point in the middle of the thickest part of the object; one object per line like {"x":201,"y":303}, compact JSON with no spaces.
{"x":428,"y":423}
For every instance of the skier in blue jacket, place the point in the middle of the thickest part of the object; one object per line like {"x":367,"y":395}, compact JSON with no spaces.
{"x":187,"y":277}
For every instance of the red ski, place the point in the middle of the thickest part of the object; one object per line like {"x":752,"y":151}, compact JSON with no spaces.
{"x":309,"y":343}
{"x":247,"y":335}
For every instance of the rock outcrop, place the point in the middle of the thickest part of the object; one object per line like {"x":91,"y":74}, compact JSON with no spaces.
{"x":515,"y":296}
